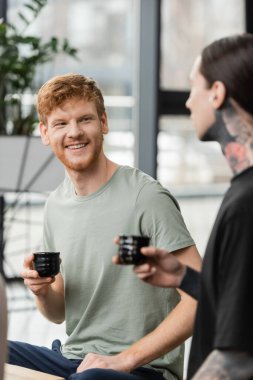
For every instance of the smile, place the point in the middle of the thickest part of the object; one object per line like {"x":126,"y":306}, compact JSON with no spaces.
{"x":77,"y":146}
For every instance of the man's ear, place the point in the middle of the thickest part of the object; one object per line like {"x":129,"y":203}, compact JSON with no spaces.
{"x":44,"y":134}
{"x":104,"y":124}
{"x":219,"y":93}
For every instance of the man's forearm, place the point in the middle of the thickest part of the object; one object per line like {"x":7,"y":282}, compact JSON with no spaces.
{"x":172,"y":332}
{"x":52,"y":305}
{"x":226,"y":365}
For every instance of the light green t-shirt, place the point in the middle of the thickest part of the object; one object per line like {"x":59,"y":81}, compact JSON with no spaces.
{"x":107,"y":307}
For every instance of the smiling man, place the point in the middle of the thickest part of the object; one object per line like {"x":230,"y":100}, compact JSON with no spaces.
{"x":117,"y":327}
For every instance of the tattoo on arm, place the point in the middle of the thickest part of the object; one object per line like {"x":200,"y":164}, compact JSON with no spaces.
{"x":226,"y":365}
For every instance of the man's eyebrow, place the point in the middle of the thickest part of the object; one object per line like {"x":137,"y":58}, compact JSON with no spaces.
{"x":57,"y":120}
{"x":89,"y":114}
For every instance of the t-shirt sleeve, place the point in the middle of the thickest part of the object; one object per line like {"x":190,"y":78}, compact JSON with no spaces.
{"x":235,"y":293}
{"x":160,"y":218}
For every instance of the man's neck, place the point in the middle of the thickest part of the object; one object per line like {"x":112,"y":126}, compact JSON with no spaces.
{"x":233,"y":130}
{"x":89,"y":181}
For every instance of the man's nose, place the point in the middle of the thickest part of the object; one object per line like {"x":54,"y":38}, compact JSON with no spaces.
{"x":74,"y":130}
{"x":187,"y":103}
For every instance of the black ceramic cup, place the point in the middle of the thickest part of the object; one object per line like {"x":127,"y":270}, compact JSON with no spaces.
{"x":129,"y":249}
{"x":47,"y":264}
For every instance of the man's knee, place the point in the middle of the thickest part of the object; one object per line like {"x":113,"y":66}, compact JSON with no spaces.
{"x":12,"y":353}
{"x":95,"y":374}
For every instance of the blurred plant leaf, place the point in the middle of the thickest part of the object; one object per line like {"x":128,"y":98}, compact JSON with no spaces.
{"x":21,"y":55}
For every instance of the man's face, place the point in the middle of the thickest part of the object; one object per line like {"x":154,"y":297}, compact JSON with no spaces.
{"x":75,"y":134}
{"x":199,"y":104}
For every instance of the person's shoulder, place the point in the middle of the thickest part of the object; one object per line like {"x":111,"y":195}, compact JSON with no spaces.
{"x":148,"y":188}
{"x":242,"y":186}
{"x":138,"y":178}
{"x":238,"y":200}
{"x":61,"y":191}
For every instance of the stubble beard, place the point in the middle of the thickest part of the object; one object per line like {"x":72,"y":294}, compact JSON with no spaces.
{"x":88,"y":161}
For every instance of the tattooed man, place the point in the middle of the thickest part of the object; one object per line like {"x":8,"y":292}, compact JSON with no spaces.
{"x":221,"y":106}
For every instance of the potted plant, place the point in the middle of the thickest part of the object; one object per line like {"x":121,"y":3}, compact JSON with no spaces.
{"x":21,"y":55}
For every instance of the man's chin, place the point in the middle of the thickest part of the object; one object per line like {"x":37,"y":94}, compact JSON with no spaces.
{"x":75,"y":166}
{"x":204,"y":138}
{"x":201,"y":136}
{"x":207,"y":135}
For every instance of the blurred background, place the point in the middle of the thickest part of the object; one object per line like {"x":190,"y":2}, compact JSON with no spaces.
{"x":140,"y":52}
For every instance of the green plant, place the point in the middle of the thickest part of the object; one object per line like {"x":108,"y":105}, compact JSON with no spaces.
{"x":21,"y":54}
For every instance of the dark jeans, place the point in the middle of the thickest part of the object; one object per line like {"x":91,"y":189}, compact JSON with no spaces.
{"x":51,"y":361}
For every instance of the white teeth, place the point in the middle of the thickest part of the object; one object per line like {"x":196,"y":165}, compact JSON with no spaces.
{"x":77,"y":146}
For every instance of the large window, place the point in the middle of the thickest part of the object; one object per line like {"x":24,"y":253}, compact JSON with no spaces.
{"x":185,"y":162}
{"x":187,"y":26}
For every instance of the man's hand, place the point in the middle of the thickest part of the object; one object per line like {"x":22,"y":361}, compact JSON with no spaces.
{"x":38,"y":285}
{"x":161,"y":268}
{"x":102,"y":361}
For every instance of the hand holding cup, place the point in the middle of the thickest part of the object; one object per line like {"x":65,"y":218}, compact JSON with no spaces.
{"x":47,"y":264}
{"x":38,"y":284}
{"x":129,"y":251}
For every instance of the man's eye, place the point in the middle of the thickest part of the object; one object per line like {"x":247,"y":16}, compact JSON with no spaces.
{"x":85,"y":119}
{"x":60,"y":124}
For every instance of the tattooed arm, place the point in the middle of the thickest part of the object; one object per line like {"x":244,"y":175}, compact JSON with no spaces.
{"x":226,"y":365}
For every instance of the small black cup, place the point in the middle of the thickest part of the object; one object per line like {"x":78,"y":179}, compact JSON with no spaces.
{"x":47,"y":264}
{"x":129,"y":249}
